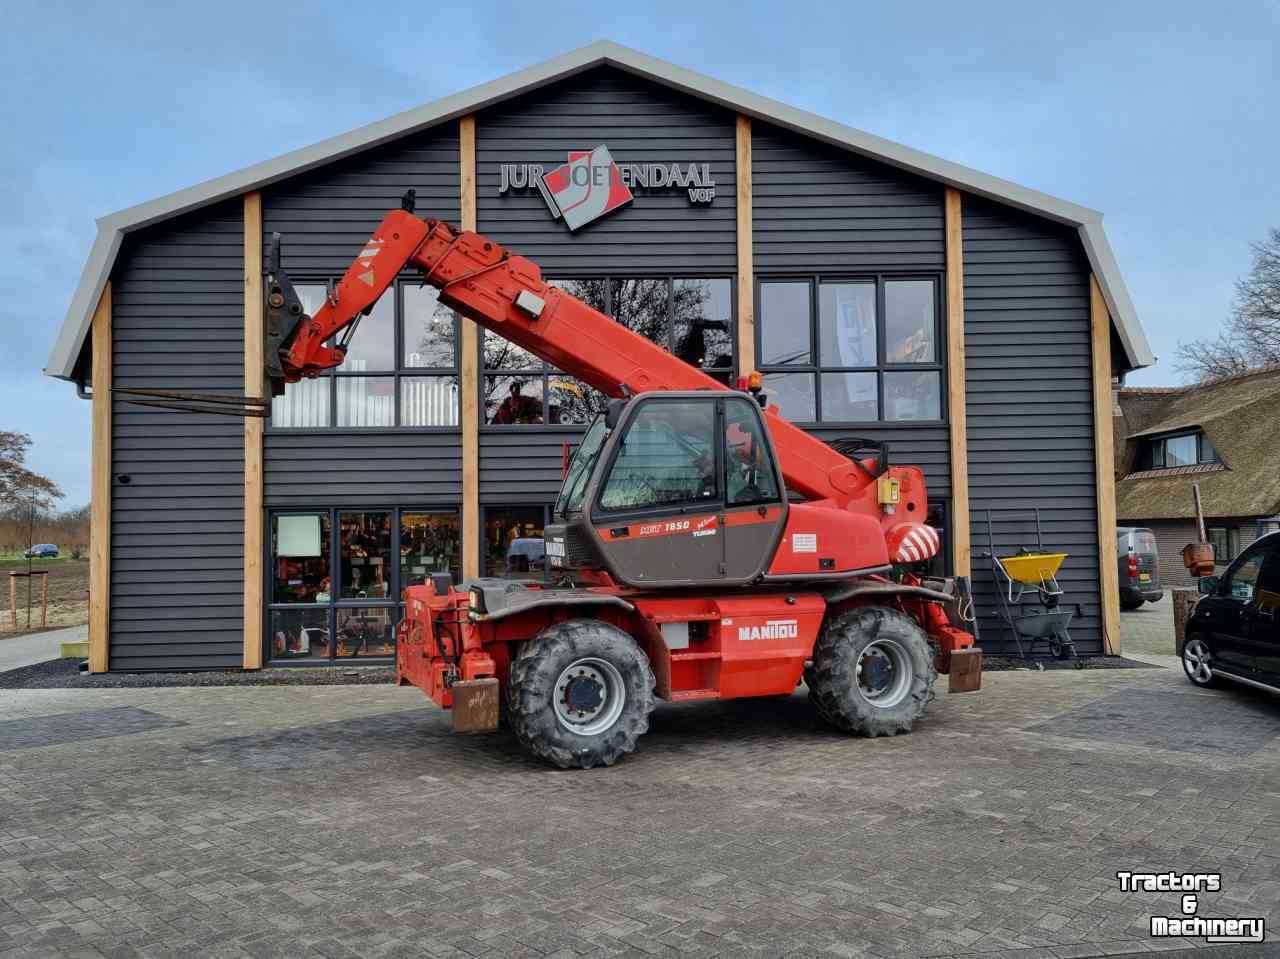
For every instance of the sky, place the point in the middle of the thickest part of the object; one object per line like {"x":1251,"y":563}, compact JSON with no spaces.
{"x":1163,"y":115}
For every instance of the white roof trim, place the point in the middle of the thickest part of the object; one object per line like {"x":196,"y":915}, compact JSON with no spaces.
{"x":111,"y":229}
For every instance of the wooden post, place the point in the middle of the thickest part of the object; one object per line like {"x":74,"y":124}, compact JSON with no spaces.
{"x":100,"y":496}
{"x":44,"y":600}
{"x":469,"y":378}
{"x":1184,"y":601}
{"x":1199,"y":506}
{"x":1104,"y":469}
{"x":254,"y":374}
{"x":958,"y":525}
{"x":13,"y":599}
{"x":746,"y":278}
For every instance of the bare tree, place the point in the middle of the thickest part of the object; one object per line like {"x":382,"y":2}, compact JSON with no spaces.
{"x":19,"y":486}
{"x":1252,"y":336}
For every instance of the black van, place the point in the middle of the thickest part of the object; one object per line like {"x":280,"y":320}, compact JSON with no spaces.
{"x":1234,"y":631}
{"x":1139,"y":564}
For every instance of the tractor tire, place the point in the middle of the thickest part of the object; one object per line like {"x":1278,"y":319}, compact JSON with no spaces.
{"x":872,"y":672}
{"x":580,"y":694}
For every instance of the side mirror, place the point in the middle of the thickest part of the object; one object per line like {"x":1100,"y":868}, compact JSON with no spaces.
{"x":613,"y":413}
{"x":1208,"y":585}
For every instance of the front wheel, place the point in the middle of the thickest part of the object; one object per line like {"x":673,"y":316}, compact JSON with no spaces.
{"x":1197,"y":663}
{"x":872,"y":672}
{"x":580,"y":694}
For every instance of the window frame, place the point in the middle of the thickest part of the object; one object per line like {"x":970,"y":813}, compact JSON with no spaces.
{"x":817,"y":366}
{"x":393,"y":601}
{"x":545,"y":371}
{"x":1160,"y":444}
{"x":714,"y":504}
{"x":398,"y":371}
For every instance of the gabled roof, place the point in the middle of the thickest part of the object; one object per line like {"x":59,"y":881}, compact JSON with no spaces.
{"x":111,"y":229}
{"x":1236,"y":414}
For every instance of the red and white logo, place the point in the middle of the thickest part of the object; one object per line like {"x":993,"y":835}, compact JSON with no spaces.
{"x":584,"y":189}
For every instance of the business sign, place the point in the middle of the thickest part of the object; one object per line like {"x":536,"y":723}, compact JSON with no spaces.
{"x":591,"y":184}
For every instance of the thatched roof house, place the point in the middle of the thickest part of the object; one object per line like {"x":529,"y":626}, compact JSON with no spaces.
{"x":1222,"y":435}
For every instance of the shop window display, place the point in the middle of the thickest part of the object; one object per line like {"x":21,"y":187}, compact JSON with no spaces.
{"x":365,"y":555}
{"x":429,"y":543}
{"x":514,"y":544}
{"x":300,"y":568}
{"x":337,"y":577}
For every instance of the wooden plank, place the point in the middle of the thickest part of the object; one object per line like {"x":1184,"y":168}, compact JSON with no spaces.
{"x":100,"y":486}
{"x":746,"y":277}
{"x":469,"y":374}
{"x":1104,"y":469}
{"x":958,"y":525}
{"x":254,"y":513}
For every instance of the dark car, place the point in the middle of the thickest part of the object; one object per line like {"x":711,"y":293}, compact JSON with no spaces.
{"x":1139,"y":561}
{"x":42,"y":551}
{"x":1234,"y":631}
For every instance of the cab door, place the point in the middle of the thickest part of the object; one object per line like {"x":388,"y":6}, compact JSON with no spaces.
{"x":658,"y":503}
{"x":755,"y":510}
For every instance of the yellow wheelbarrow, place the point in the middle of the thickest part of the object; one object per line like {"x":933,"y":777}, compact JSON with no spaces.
{"x":1036,"y":572}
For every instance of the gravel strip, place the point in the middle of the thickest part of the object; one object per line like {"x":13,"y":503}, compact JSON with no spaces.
{"x":65,"y":674}
{"x":1000,"y":664}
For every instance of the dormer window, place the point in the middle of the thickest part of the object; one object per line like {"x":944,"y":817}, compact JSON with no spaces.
{"x":1182,"y":449}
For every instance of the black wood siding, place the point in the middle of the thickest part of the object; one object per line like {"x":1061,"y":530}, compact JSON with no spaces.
{"x":177,"y":538}
{"x":1028,"y":367}
{"x":660,"y":232}
{"x":371,"y":468}
{"x":325,"y":217}
{"x":640,"y":122}
{"x":519,"y":466}
{"x":818,"y":209}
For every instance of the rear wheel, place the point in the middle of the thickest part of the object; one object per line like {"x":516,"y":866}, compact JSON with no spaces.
{"x":872,"y":672}
{"x":580,"y":694}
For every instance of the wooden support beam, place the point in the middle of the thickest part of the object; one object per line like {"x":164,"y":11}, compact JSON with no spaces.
{"x":469,"y":378}
{"x":1104,"y":469}
{"x":746,"y":276}
{"x":958,"y":525}
{"x":254,"y":513}
{"x":100,"y":486}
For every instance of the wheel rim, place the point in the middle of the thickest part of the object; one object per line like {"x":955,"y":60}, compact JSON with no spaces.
{"x":589,"y":696}
{"x":884,"y":673}
{"x":1196,"y":661}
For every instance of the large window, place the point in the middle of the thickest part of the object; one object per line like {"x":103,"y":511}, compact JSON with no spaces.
{"x":338,"y":577}
{"x":514,"y":546}
{"x":401,"y":367}
{"x":1170,"y":452}
{"x":690,"y":317}
{"x":852,"y":350}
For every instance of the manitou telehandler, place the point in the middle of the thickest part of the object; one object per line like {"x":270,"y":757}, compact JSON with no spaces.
{"x":703,"y":547}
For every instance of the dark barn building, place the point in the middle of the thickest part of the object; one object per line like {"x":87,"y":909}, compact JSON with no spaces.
{"x":975,"y":325}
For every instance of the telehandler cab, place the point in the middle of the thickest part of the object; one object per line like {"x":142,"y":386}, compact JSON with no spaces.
{"x":703,"y":546}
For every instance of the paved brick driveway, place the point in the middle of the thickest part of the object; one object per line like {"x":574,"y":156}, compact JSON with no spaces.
{"x":349,"y":822}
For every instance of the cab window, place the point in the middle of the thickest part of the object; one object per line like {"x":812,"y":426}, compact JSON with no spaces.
{"x":749,"y":476}
{"x":665,"y":459}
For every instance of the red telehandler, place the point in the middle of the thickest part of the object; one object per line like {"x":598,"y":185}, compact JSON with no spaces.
{"x":703,"y":547}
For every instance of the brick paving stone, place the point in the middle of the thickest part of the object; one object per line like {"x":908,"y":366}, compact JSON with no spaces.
{"x":349,"y":823}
